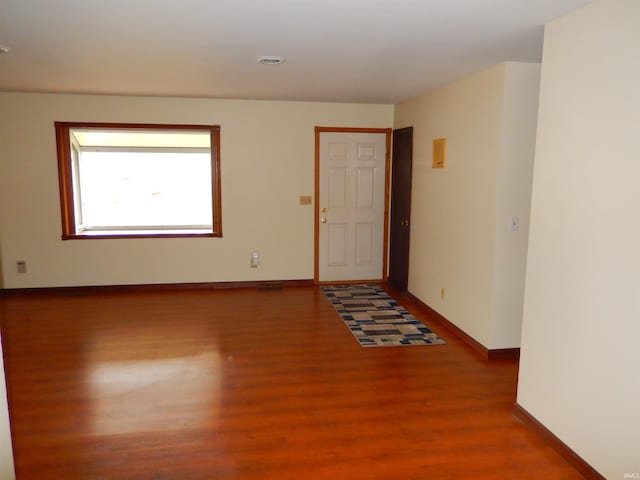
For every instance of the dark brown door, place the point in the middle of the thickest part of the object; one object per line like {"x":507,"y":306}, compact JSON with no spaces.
{"x":400,"y":207}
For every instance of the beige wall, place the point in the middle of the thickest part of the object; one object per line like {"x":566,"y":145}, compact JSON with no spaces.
{"x":513,"y":199}
{"x":6,"y":455}
{"x":1,"y":274}
{"x":267,"y":152}
{"x":461,"y":214}
{"x":580,"y":364}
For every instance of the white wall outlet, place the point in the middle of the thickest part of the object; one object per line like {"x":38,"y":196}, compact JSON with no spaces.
{"x":255,"y":259}
{"x":21,"y":266}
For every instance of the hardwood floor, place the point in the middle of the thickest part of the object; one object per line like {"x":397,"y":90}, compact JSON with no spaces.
{"x":250,"y":384}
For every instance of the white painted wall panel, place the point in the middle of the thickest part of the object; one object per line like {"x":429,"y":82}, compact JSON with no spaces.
{"x":580,"y":368}
{"x":267,"y":151}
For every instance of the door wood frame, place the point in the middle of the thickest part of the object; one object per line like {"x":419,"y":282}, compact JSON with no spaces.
{"x":316,"y":215}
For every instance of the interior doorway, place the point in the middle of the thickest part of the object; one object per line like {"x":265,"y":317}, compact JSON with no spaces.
{"x":352,"y":194}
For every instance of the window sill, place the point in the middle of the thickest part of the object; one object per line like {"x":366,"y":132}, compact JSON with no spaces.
{"x":154,"y":234}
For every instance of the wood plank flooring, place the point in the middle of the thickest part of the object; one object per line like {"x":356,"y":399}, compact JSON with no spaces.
{"x":250,"y":384}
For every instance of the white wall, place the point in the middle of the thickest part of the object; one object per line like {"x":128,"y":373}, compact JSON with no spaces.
{"x":580,"y":364}
{"x":452,"y":209}
{"x":513,"y":199}
{"x":461,"y":214}
{"x":6,"y":454}
{"x":267,"y":154}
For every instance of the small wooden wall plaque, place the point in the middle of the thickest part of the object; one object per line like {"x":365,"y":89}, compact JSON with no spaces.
{"x":439,"y":148}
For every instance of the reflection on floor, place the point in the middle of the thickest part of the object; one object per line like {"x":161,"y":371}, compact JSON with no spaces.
{"x":249,"y":384}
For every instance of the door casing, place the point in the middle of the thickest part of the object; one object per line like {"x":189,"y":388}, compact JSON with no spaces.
{"x":387,"y":168}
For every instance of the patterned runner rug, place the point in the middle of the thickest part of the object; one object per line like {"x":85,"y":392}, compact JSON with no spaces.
{"x":376,"y":319}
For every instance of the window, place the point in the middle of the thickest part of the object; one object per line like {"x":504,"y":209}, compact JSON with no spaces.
{"x":134,"y":180}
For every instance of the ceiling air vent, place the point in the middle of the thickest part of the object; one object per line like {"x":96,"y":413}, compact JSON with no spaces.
{"x":271,"y":60}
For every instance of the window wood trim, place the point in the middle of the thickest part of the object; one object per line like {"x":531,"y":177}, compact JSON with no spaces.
{"x":65,"y":179}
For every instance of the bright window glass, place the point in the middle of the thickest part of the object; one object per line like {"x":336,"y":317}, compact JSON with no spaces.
{"x":142,"y":189}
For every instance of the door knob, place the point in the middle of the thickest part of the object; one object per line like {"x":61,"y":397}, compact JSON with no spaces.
{"x":404,"y":223}
{"x":323,"y":220}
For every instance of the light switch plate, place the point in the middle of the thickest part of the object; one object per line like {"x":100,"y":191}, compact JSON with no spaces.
{"x":305,"y":200}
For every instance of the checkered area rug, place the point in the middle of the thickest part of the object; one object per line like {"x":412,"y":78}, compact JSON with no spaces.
{"x":376,"y":319}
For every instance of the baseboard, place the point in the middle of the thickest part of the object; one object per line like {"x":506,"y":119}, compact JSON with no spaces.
{"x":351,"y":282}
{"x":157,"y":287}
{"x":571,"y":457}
{"x":503,"y":354}
{"x":442,"y":321}
{"x":489,"y":354}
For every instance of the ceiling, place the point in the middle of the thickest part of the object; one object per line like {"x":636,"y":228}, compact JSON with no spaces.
{"x":366,"y":51}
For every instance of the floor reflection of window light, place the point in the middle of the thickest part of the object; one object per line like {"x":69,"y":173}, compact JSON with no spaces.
{"x":155,"y":395}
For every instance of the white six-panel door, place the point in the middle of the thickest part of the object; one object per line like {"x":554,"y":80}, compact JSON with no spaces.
{"x":351,"y":206}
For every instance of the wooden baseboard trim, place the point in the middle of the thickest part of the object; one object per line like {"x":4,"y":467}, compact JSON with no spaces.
{"x":571,"y":457}
{"x":156,"y":287}
{"x":443,"y":322}
{"x":489,"y":354}
{"x":351,"y":282}
{"x":503,"y":354}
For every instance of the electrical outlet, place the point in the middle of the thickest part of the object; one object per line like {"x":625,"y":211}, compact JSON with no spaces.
{"x":21,"y":266}
{"x":442,"y":293}
{"x":255,"y":259}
